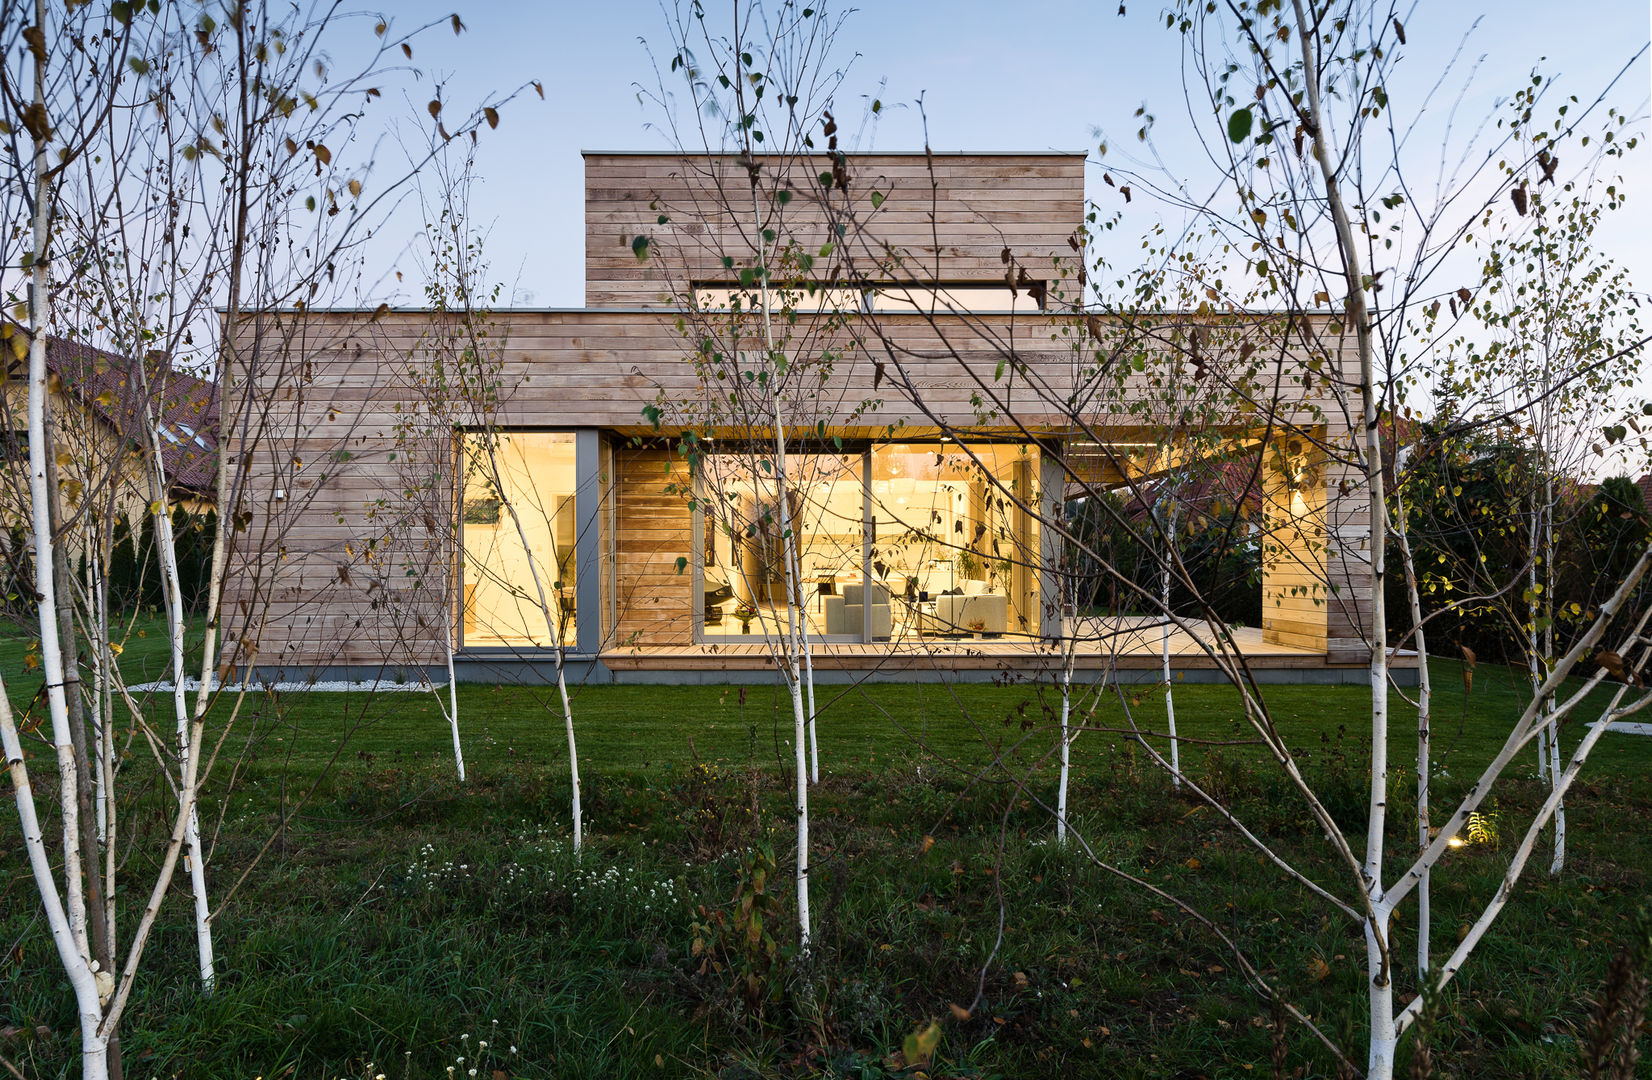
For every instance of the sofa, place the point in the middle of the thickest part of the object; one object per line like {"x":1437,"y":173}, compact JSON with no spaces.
{"x":960,"y":614}
{"x":845,"y":614}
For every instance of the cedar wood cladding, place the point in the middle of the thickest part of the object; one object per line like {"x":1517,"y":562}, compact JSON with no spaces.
{"x":981,"y":204}
{"x":325,"y":571}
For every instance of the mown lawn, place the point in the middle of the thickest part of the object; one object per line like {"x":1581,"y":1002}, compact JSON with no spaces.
{"x":400,"y":918}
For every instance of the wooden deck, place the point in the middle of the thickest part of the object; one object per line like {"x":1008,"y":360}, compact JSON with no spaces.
{"x":1123,"y":649}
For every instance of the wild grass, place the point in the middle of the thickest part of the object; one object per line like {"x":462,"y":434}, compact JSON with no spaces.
{"x":400,"y":918}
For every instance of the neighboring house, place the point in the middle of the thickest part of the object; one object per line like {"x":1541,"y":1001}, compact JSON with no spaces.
{"x":378,"y":518}
{"x":99,"y":417}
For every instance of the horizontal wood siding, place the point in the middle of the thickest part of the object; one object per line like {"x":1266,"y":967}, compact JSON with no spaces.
{"x":948,"y":218}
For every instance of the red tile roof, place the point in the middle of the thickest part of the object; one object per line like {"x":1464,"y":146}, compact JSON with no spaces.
{"x":107,"y":383}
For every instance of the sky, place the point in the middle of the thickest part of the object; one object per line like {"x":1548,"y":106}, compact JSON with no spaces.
{"x":1039,"y":75}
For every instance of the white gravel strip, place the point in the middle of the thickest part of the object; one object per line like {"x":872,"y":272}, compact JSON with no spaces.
{"x":323,"y":686}
{"x":1628,"y":727}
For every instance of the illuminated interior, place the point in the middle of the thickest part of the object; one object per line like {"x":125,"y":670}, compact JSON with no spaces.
{"x":940,"y":545}
{"x":532,"y":474}
{"x":742,"y":549}
{"x":953,"y":540}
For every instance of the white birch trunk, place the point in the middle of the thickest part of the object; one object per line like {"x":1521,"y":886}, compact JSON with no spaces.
{"x":1534,"y":654}
{"x":108,"y":811}
{"x":1066,"y":748}
{"x":67,"y":922}
{"x":450,"y":594}
{"x":797,"y":640}
{"x":76,"y":963}
{"x":1558,"y":863}
{"x":453,"y":706}
{"x":553,"y":625}
{"x":809,"y":682}
{"x":796,"y":645}
{"x":51,"y":646}
{"x":1164,"y":649}
{"x":1383,"y":1032}
{"x":99,"y":658}
{"x":1425,"y":696}
{"x":194,"y":858}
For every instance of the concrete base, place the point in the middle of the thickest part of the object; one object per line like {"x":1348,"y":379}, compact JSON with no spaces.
{"x":591,"y":671}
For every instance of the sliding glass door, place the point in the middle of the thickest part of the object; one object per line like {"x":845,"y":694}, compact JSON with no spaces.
{"x":742,"y":547}
{"x":954,"y":542}
{"x":900,"y":542}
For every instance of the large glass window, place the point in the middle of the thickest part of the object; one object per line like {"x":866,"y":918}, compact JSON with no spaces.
{"x":743,"y":549}
{"x":941,"y":544}
{"x":953,"y":542}
{"x":519,"y":533}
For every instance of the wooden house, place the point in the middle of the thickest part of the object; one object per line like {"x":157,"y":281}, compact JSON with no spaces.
{"x":499,"y":482}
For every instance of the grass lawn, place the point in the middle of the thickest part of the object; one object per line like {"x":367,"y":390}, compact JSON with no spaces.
{"x":400,"y":918}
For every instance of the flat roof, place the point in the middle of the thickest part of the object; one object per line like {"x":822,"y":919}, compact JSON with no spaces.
{"x":850,"y":153}
{"x":1176,"y":313}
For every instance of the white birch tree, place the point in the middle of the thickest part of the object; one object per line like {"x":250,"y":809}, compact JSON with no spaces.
{"x":157,"y":151}
{"x":1317,"y":211}
{"x":756,"y":98}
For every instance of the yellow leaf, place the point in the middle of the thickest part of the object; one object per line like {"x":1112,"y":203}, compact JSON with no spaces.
{"x":155,"y":507}
{"x":355,"y":187}
{"x":116,"y":648}
{"x":920,"y":1045}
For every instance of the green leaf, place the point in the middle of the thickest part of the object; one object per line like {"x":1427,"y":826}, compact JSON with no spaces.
{"x":1239,"y":125}
{"x":639,"y":247}
{"x":877,"y":199}
{"x":682,"y":564}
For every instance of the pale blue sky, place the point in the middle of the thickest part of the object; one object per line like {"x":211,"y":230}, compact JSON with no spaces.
{"x":995,"y":76}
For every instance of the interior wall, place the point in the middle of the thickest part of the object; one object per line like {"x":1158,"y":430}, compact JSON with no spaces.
{"x":1295,"y":588}
{"x":535,"y":473}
